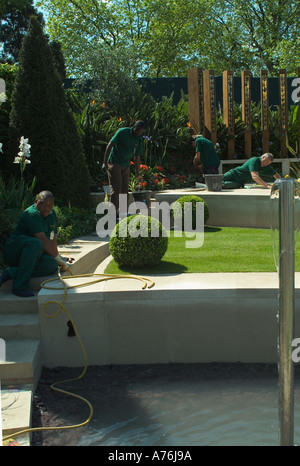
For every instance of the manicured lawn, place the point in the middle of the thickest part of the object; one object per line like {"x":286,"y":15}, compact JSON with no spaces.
{"x":224,"y":250}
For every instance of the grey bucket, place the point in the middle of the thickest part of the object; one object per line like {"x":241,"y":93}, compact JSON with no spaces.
{"x":213,"y":182}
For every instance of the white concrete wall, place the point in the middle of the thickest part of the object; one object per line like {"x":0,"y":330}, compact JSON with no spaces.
{"x":120,"y":323}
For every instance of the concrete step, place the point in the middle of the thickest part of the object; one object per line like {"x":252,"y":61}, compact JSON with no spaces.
{"x":16,"y":406}
{"x":23,"y":362}
{"x":16,"y":326}
{"x":9,"y":303}
{"x":34,"y":284}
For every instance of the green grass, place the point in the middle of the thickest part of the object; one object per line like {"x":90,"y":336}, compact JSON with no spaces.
{"x":224,"y":250}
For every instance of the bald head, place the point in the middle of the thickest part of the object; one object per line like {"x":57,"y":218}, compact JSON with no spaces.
{"x":45,"y":196}
{"x":44,"y":203}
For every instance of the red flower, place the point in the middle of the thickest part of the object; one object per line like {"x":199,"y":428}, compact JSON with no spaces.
{"x":144,"y":167}
{"x":159,"y":168}
{"x":131,"y":162}
{"x":166,"y":180}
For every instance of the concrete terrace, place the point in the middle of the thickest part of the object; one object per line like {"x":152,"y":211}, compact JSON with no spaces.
{"x":184,"y":318}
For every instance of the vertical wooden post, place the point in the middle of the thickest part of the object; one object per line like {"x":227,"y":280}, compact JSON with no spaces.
{"x":209,"y":93}
{"x":283,"y":102}
{"x":246,"y":111}
{"x":264,"y":98}
{"x":228,"y":112}
{"x":196,"y":104}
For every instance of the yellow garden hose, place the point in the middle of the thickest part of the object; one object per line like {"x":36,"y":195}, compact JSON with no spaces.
{"x":9,"y":440}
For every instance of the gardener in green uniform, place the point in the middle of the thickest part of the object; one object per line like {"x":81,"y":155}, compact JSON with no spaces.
{"x":125,"y":144}
{"x":250,"y":171}
{"x":31,"y":250}
{"x":206,"y":158}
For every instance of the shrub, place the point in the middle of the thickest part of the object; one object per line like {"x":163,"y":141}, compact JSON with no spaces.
{"x":179,"y":209}
{"x":138,"y":241}
{"x":74,"y":222}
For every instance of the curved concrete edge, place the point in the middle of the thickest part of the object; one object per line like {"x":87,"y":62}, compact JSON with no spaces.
{"x":184,"y":318}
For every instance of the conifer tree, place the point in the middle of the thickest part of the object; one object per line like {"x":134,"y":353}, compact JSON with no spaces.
{"x":40,"y":113}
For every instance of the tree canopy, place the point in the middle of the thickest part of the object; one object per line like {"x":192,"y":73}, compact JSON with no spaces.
{"x":14,"y":22}
{"x":165,"y":38}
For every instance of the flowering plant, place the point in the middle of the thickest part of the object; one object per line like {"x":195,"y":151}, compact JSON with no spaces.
{"x":158,"y":178}
{"x":23,"y":155}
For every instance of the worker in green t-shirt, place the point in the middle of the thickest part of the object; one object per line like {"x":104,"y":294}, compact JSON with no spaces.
{"x":31,"y":250}
{"x":127,"y":143}
{"x":206,"y":159}
{"x":250,"y":171}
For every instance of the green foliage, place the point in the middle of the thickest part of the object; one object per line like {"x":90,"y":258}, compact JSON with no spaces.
{"x":7,"y":72}
{"x":14,"y":20}
{"x":74,"y":222}
{"x":41,"y":114}
{"x":138,"y":241}
{"x":187,"y":205}
{"x":165,"y":38}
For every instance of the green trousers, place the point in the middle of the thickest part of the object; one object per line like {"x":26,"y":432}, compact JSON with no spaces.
{"x":231,"y":180}
{"x":26,"y":258}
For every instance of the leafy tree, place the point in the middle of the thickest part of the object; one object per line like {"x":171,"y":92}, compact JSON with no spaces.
{"x":41,"y":114}
{"x":165,"y":38}
{"x":14,"y":21}
{"x":254,"y":34}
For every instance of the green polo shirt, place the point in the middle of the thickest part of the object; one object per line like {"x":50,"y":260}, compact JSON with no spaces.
{"x":252,"y":165}
{"x":208,"y":155}
{"x":32,"y":222}
{"x":126,"y":146}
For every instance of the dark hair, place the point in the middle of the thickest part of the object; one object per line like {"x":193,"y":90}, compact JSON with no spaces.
{"x":140,"y":124}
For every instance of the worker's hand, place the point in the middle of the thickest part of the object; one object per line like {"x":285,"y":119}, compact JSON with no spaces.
{"x":63,"y":266}
{"x":62,"y":263}
{"x":70,"y":260}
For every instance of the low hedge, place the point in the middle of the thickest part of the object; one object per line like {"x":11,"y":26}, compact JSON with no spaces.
{"x":179,"y":210}
{"x":138,"y":241}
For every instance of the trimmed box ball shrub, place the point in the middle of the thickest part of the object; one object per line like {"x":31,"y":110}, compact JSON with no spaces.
{"x":178,"y":208}
{"x":138,"y":241}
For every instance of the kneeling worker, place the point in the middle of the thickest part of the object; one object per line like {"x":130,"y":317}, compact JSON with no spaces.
{"x":250,"y":171}
{"x":31,"y":250}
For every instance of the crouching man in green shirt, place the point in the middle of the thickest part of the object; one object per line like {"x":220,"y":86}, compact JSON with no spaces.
{"x":31,"y":250}
{"x":206,"y":158}
{"x":250,"y":171}
{"x":125,"y":144}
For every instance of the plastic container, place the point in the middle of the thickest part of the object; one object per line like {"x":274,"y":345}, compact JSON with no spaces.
{"x":213,"y":182}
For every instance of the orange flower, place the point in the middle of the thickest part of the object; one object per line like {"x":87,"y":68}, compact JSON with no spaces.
{"x":144,"y":167}
{"x":93,"y":103}
{"x":189,"y":124}
{"x":103,"y":105}
{"x":119,"y":119}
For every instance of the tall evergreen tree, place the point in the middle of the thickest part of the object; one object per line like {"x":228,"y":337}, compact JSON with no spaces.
{"x":41,"y":114}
